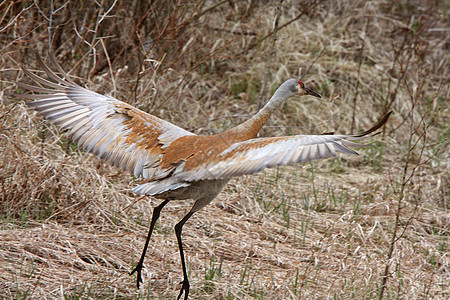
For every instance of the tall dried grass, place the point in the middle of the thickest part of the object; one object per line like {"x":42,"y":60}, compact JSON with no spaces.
{"x":341,"y":228}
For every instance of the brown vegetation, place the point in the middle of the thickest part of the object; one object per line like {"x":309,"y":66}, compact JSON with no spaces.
{"x":373,"y":226}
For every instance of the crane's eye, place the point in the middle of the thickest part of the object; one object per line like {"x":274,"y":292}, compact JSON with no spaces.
{"x":301,"y":84}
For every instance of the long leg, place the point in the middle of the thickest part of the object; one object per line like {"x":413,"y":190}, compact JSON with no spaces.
{"x":185,"y":282}
{"x":139,"y":266}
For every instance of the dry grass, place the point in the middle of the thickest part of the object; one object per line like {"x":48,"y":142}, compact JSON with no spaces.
{"x":70,"y":228}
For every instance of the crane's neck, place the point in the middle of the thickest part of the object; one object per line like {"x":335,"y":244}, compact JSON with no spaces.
{"x":250,"y":128}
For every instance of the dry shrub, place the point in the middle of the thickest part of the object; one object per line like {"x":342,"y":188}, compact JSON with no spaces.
{"x":70,"y":226}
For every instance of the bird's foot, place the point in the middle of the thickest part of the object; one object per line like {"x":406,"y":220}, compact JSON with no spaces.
{"x":138,"y":269}
{"x":185,"y":288}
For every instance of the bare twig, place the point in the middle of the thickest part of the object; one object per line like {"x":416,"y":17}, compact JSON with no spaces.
{"x":262,"y":91}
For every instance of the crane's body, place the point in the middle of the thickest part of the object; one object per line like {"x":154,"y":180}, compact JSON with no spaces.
{"x":174,"y":163}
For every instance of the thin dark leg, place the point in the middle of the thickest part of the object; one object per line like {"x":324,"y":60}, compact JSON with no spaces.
{"x":139,"y":266}
{"x":185,"y":282}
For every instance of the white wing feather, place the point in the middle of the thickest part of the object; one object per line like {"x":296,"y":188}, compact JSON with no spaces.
{"x":252,"y":156}
{"x":103,"y":125}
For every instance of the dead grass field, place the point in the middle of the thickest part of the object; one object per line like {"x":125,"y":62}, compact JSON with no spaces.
{"x":374,"y":226}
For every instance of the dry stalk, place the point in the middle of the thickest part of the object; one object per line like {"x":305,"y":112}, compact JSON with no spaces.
{"x":271,"y":54}
{"x":417,"y":144}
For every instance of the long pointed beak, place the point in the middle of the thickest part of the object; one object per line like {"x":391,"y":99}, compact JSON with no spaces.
{"x":312,"y":93}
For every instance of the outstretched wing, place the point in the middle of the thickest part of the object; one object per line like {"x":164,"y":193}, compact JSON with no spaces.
{"x":256,"y":154}
{"x":253,"y":155}
{"x":111,"y":129}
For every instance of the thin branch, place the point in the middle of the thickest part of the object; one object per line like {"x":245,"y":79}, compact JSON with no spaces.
{"x":306,"y":9}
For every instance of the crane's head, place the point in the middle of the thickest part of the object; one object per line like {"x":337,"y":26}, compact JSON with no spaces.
{"x":303,"y":90}
{"x":290,"y":88}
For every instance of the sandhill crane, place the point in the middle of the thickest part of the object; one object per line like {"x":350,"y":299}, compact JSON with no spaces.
{"x":175,"y":164}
